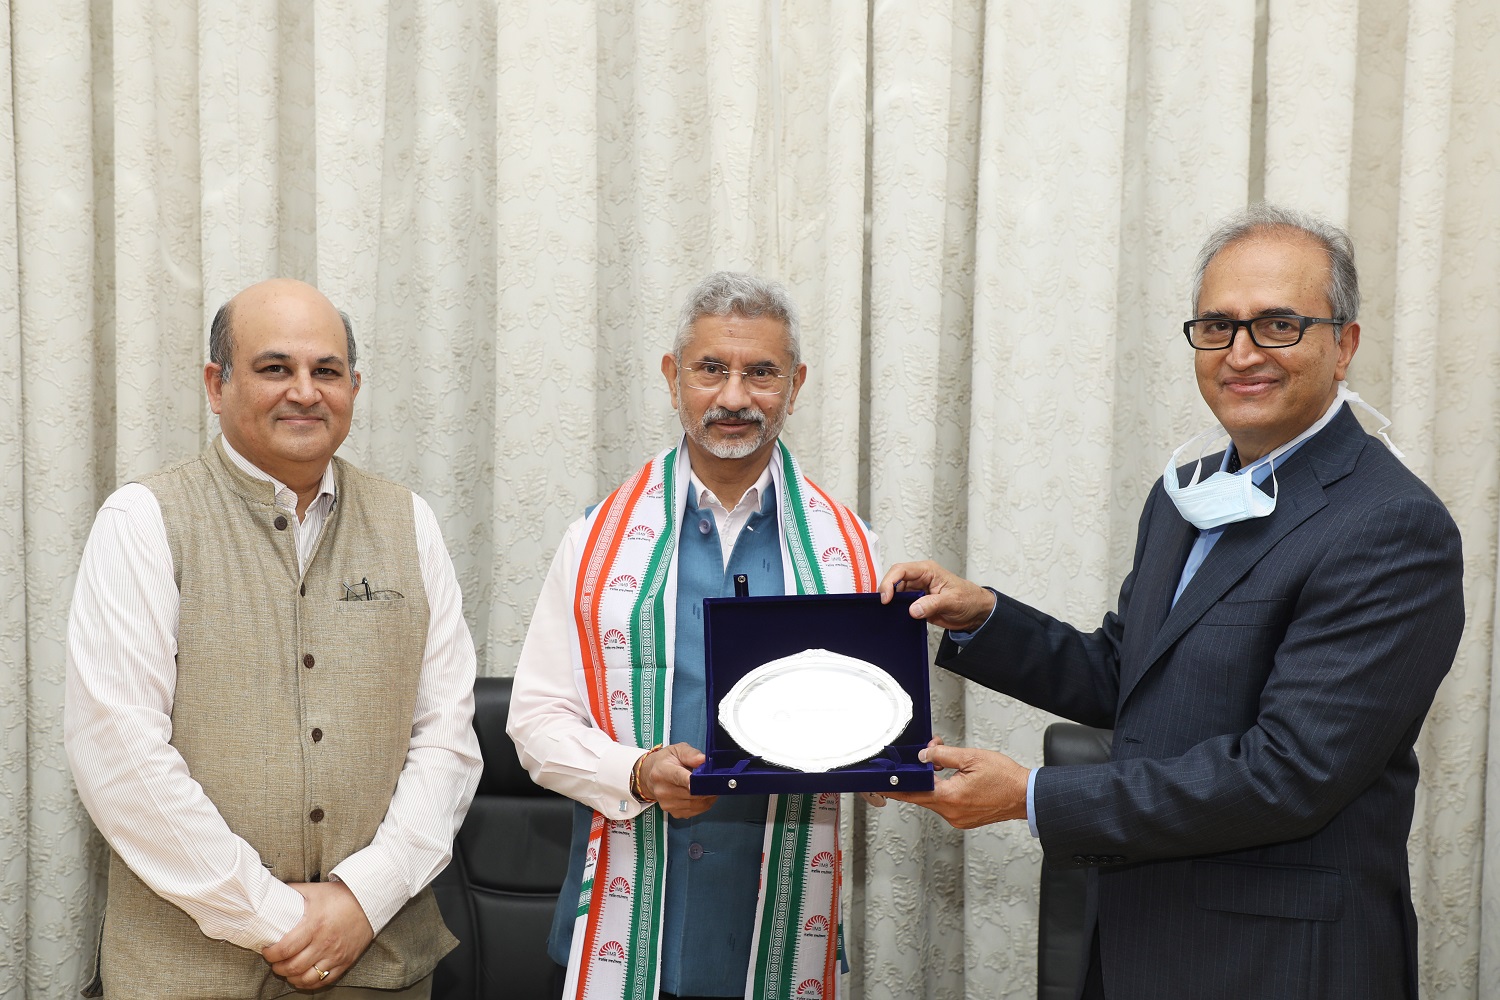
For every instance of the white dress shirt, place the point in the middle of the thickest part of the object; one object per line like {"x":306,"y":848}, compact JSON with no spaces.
{"x":121,"y":677}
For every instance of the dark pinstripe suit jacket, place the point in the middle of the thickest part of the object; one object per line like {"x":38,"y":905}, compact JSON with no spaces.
{"x":1248,"y":838}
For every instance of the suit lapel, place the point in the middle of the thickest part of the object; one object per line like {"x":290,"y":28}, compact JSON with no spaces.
{"x":1156,"y":582}
{"x":1323,"y":459}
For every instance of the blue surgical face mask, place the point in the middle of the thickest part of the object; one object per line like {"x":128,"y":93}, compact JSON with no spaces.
{"x":1224,"y":498}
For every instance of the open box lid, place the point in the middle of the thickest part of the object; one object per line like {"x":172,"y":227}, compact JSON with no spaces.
{"x":742,"y":633}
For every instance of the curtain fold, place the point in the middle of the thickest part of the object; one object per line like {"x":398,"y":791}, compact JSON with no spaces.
{"x":925,"y":74}
{"x":14,"y":787}
{"x":987,"y":212}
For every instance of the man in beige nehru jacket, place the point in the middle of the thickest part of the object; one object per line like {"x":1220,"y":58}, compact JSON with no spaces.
{"x":270,"y":692}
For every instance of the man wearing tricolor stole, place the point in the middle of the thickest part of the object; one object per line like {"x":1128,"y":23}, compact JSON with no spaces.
{"x":669,"y":894}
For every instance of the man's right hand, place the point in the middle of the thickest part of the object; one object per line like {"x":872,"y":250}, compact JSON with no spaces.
{"x":331,"y":936}
{"x":950,"y":601}
{"x":664,"y":776}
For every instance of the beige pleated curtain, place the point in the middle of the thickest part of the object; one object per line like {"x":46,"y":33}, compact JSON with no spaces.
{"x":986,"y":208}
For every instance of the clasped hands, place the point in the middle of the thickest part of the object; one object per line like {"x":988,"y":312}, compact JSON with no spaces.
{"x":330,"y":937}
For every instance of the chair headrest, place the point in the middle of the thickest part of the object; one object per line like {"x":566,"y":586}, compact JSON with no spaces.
{"x":503,"y":773}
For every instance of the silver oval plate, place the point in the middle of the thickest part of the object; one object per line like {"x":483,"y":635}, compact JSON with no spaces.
{"x":815,"y":710}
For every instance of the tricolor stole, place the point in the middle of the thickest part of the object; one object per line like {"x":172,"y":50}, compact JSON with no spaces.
{"x":624,"y":604}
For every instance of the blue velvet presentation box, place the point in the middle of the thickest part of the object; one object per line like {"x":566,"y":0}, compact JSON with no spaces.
{"x":741,"y":633}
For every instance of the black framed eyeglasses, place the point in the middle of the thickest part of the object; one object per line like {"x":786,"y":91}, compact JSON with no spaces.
{"x":762,"y":380}
{"x":1266,"y":332}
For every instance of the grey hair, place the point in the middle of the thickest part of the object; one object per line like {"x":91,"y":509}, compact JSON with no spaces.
{"x":726,"y":293}
{"x":221,"y":341}
{"x":1264,"y":219}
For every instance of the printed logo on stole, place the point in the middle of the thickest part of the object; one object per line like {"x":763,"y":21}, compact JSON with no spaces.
{"x":817,"y":503}
{"x":656,"y":489}
{"x":810,"y":988}
{"x":629,"y":585}
{"x":593,"y":857}
{"x":620,"y":826}
{"x":619,"y":888}
{"x":614,"y":953}
{"x":826,"y":799}
{"x":816,"y":926}
{"x":619,"y":700}
{"x":640,"y":533}
{"x":614,"y":639}
{"x":822,"y":863}
{"x":834,"y":555}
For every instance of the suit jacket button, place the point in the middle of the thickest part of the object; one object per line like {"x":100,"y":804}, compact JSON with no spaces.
{"x":316,"y":815}
{"x":308,"y":661}
{"x":280,"y":523}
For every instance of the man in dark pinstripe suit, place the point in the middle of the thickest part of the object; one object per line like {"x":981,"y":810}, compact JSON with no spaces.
{"x":1266,"y":672}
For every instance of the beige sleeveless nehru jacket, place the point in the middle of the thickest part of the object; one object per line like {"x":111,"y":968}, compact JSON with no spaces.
{"x":293,"y":710}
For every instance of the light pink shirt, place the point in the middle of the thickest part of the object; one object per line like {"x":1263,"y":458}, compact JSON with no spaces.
{"x":731,"y":522}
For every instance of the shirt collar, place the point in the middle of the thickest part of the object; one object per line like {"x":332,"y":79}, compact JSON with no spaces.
{"x":705,"y":496}
{"x":328,"y":487}
{"x":1231,"y":463}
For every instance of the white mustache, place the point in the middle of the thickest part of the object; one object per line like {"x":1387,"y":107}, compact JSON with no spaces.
{"x":716,"y":413}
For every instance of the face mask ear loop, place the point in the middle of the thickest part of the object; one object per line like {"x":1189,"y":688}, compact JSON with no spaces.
{"x":1385,"y":421}
{"x":1389,"y":443}
{"x":1198,"y":469}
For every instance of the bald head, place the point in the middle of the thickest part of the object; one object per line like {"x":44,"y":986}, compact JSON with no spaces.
{"x":276,"y":294}
{"x":288,"y":405}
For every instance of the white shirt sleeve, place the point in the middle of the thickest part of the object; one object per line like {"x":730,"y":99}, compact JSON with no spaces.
{"x":414,"y":841}
{"x":555,"y":736}
{"x":121,"y":678}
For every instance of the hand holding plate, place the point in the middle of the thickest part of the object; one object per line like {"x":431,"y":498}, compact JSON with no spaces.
{"x":950,"y":601}
{"x":987,"y":788}
{"x":664,"y":779}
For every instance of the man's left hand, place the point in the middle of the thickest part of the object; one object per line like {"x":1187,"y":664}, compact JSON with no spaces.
{"x":987,"y":788}
{"x":331,"y":936}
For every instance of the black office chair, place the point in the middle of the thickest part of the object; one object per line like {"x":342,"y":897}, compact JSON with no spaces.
{"x":509,"y":860}
{"x":1061,"y":947}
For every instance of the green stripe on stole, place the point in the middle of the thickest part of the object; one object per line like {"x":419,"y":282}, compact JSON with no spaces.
{"x":648,"y":650}
{"x":777,"y":951}
{"x":794,"y":528}
{"x":776,"y":956}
